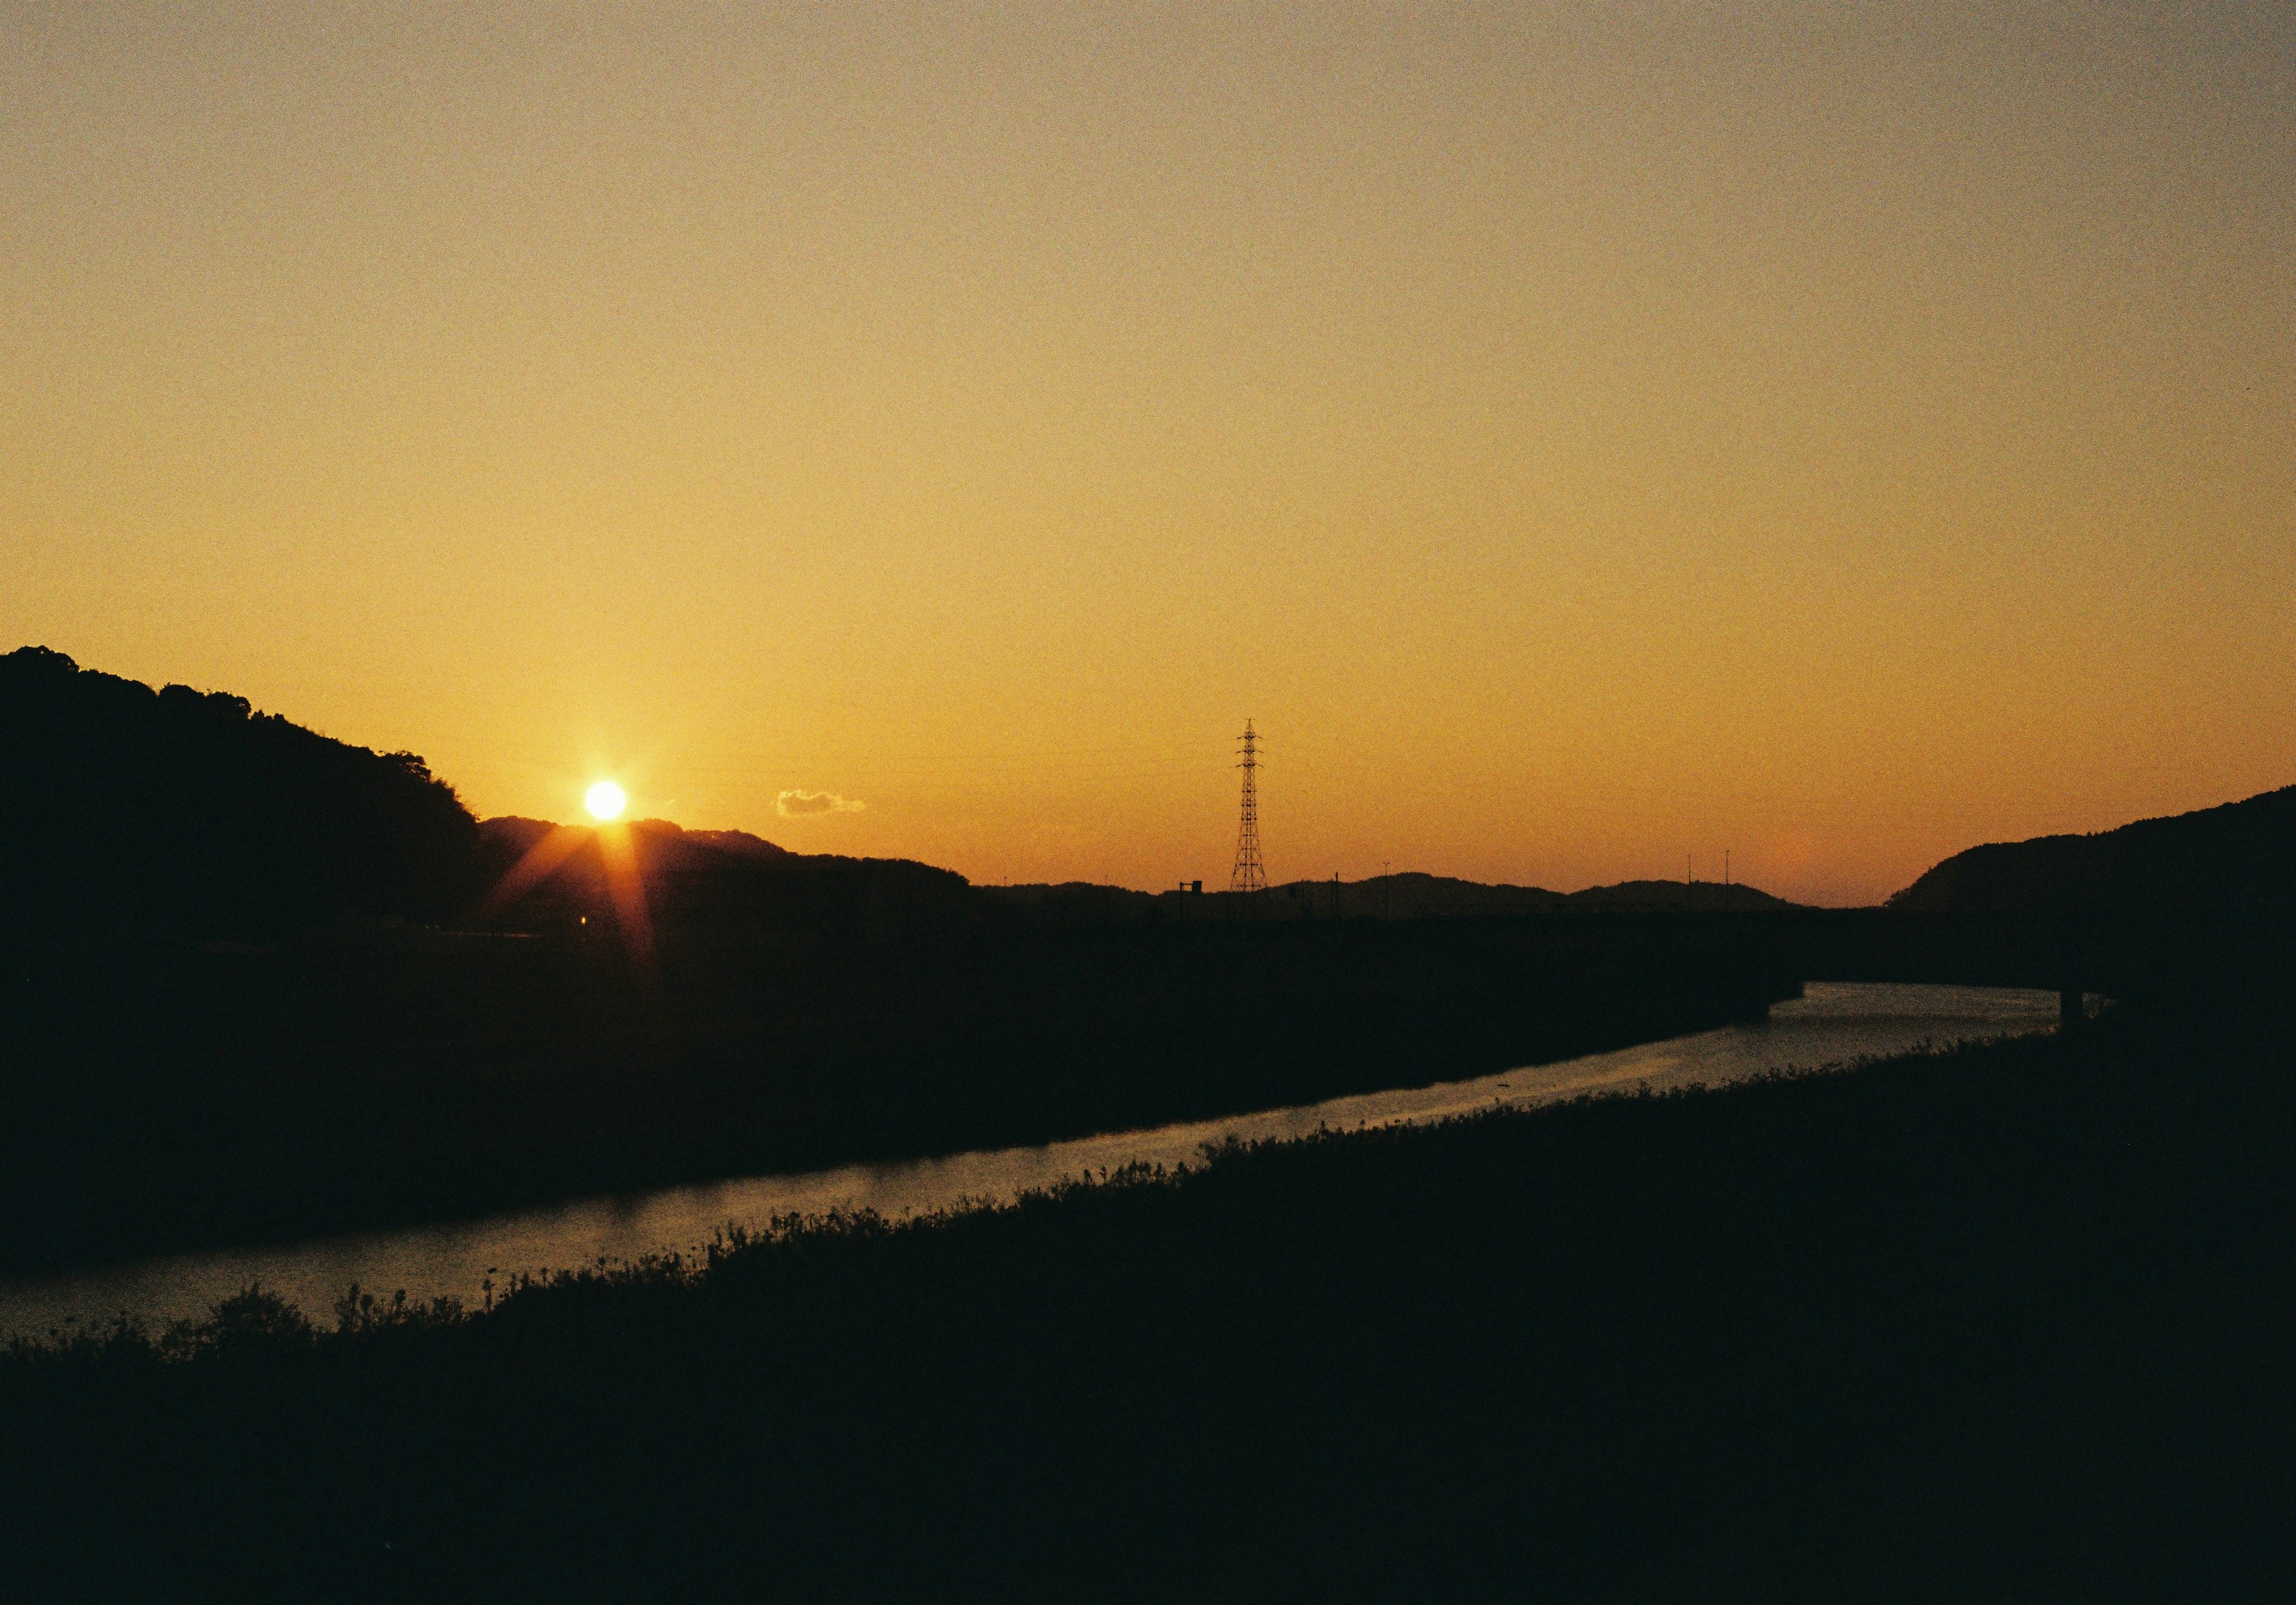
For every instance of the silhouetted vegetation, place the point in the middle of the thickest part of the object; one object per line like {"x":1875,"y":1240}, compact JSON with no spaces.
{"x":2240,"y":858}
{"x":2010,"y":1323}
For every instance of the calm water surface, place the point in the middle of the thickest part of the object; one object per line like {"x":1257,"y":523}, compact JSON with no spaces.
{"x":1834,"y":1022}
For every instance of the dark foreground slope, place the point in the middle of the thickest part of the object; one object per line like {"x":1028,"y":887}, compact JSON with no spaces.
{"x":2240,"y":858}
{"x":2012,"y":1324}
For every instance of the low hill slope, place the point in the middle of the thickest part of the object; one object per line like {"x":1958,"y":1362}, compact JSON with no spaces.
{"x":709,"y":879}
{"x":1414,"y":894}
{"x":130,"y":809}
{"x":188,"y":814}
{"x":1662,"y":895}
{"x":2235,"y":859}
{"x":1408,"y":894}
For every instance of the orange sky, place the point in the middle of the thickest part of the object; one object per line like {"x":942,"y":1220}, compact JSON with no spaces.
{"x":1579,"y":436}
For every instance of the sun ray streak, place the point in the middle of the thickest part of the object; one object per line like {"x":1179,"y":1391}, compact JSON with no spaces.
{"x":542,"y":860}
{"x":627,"y":887}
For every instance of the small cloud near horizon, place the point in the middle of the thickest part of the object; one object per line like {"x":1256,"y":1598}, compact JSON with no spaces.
{"x":791,"y":804}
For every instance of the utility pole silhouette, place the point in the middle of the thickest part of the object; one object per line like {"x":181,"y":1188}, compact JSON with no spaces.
{"x":1249,"y":875}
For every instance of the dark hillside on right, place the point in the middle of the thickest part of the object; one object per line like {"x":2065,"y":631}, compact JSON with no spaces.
{"x":2239,"y":859}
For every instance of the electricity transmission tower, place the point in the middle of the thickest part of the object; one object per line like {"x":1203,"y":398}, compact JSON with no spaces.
{"x":1249,"y":875}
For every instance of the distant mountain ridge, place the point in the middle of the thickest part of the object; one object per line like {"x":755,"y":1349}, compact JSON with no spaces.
{"x":2240,"y":857}
{"x":711,"y":877}
{"x":514,"y":832}
{"x":1407,"y":895}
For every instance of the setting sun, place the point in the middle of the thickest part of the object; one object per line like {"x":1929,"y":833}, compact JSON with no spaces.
{"x":605,"y":801}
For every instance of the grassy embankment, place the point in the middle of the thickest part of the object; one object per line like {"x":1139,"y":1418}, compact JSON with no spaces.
{"x":2013,"y":1322}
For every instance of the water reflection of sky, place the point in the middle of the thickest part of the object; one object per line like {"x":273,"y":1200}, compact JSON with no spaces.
{"x":1835,"y":1022}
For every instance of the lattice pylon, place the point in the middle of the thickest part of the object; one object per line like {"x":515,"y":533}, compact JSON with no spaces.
{"x":1249,"y":874}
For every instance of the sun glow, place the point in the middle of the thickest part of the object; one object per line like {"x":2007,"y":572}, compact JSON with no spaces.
{"x":605,"y":801}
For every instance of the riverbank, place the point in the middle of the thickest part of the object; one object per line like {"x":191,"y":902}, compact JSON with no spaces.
{"x":1829,"y":1023}
{"x":155,"y":1100}
{"x":2010,"y":1320}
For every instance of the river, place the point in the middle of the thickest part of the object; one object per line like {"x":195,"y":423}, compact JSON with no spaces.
{"x":1835,"y":1022}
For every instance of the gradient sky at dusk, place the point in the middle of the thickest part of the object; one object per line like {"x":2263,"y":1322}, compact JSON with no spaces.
{"x":1579,"y":436}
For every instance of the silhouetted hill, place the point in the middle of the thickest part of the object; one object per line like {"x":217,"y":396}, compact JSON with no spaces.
{"x":663,"y":845}
{"x":2238,"y":859}
{"x":1660,"y":895}
{"x":713,"y":879}
{"x":1411,"y":895}
{"x":1407,"y":896}
{"x":186,"y":814}
{"x":740,"y":843}
{"x":176,"y":813}
{"x":126,"y":809}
